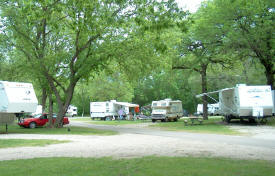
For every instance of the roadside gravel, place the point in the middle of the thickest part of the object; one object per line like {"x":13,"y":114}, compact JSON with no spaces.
{"x":130,"y":145}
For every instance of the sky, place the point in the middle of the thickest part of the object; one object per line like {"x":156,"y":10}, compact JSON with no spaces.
{"x":191,"y":5}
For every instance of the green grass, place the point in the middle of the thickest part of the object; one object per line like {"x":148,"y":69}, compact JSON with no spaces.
{"x":213,"y":125}
{"x":147,"y":166}
{"x":5,"y":143}
{"x":43,"y":130}
{"x":113,"y":122}
{"x":271,"y":122}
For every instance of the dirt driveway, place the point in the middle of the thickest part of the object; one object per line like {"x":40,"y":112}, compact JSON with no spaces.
{"x":138,"y":141}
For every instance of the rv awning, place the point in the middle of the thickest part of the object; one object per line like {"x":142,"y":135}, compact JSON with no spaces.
{"x":200,"y":95}
{"x":126,"y":104}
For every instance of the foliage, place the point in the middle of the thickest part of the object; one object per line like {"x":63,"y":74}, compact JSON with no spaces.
{"x":149,"y":166}
{"x":64,"y":41}
{"x":166,"y":84}
{"x":246,"y":30}
{"x":7,"y":143}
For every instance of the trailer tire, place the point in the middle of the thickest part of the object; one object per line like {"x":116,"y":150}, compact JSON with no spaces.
{"x":227,"y":119}
{"x":32,"y":125}
{"x":251,"y":120}
{"x":153,"y":120}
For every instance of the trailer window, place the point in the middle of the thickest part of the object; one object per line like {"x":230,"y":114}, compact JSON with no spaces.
{"x":154,"y":104}
{"x":163,"y":104}
{"x":107,"y":104}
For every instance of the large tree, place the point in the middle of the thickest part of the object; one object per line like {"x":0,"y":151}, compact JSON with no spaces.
{"x":247,"y":29}
{"x":200,"y":48}
{"x":65,"y":40}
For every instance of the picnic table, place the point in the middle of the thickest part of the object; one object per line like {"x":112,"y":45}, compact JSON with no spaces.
{"x":194,"y":120}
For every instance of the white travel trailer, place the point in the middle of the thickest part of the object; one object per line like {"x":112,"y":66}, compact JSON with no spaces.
{"x":38,"y":110}
{"x":16,"y":98}
{"x":212,"y":109}
{"x":72,"y":111}
{"x":244,"y":102}
{"x":166,"y":110}
{"x":109,"y":109}
{"x":273,"y":98}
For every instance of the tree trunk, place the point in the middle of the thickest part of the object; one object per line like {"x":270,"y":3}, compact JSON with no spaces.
{"x":269,"y":73}
{"x":63,"y":107}
{"x":44,"y":99}
{"x":204,"y":90}
{"x":50,"y":117}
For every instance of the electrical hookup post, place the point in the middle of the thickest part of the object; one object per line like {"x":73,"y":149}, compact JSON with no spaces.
{"x":6,"y":119}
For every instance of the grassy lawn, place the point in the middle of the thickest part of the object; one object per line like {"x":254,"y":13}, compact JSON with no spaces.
{"x":271,"y":122}
{"x":65,"y":130}
{"x":5,"y":143}
{"x":213,"y":125}
{"x":113,"y":122}
{"x":147,"y":166}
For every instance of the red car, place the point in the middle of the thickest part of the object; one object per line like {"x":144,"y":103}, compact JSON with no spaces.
{"x":39,"y":120}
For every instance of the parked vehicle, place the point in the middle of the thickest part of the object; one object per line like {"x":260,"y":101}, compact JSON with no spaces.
{"x":72,"y":111}
{"x":273,"y":98}
{"x":143,"y":117}
{"x":38,"y":110}
{"x":15,"y":99}
{"x":245,"y":102}
{"x":39,"y":120}
{"x":166,"y":110}
{"x":109,"y":109}
{"x":212,"y":109}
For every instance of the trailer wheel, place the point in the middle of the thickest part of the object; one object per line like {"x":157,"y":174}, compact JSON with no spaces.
{"x":153,"y":120}
{"x":227,"y":119}
{"x":251,"y":120}
{"x":32,"y":125}
{"x":176,"y":119}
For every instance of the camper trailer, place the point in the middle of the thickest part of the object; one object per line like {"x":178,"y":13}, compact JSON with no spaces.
{"x":109,"y":110}
{"x":16,"y":98}
{"x":72,"y":111}
{"x":244,"y":102}
{"x":212,"y":109}
{"x":39,"y":110}
{"x":166,"y":110}
{"x":273,"y":98}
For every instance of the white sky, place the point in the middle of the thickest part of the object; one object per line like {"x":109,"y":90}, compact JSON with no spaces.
{"x":191,"y":5}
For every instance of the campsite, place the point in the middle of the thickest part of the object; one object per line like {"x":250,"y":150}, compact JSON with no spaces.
{"x":137,"y":87}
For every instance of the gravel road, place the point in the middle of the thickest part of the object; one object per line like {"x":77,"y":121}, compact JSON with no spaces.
{"x":138,"y":141}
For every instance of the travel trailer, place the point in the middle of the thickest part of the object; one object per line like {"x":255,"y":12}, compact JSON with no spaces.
{"x":16,"y":98}
{"x":72,"y":111}
{"x":212,"y":109}
{"x":244,"y":102}
{"x":109,"y":109}
{"x":273,"y":98}
{"x":38,"y":110}
{"x":166,"y":110}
